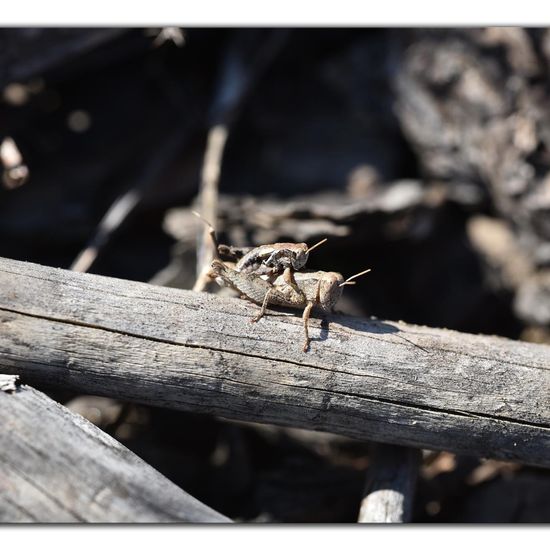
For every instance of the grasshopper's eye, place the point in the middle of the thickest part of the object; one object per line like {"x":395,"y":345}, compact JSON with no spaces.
{"x":299,"y":259}
{"x":300,"y":255}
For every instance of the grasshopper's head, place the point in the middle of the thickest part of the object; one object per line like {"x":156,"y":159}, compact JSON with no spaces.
{"x":293,"y":255}
{"x":330,"y":290}
{"x":218,"y":271}
{"x":299,"y":256}
{"x":331,"y":287}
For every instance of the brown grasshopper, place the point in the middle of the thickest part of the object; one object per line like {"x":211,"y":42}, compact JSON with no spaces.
{"x":267,"y":259}
{"x":302,"y":289}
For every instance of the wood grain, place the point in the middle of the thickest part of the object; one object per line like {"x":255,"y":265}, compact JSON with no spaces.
{"x":55,"y":466}
{"x":370,"y":379}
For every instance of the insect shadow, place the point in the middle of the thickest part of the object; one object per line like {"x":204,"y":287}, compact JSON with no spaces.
{"x":372,"y":326}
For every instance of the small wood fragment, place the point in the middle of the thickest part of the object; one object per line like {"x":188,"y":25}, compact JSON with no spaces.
{"x":390,"y":486}
{"x":8,"y":382}
{"x":16,"y":172}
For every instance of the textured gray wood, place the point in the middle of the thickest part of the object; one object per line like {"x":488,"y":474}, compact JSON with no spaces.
{"x":384,"y":381}
{"x":55,"y":466}
{"x":390,"y":486}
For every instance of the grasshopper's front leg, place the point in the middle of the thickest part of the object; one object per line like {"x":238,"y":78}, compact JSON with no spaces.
{"x":305,"y":318}
{"x":288,"y":279}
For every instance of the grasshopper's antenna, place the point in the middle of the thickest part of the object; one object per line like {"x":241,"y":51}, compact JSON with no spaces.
{"x":211,"y":232}
{"x":316,"y":245}
{"x":349,"y":281}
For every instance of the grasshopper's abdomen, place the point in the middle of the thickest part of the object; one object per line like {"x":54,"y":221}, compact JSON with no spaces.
{"x":251,"y":287}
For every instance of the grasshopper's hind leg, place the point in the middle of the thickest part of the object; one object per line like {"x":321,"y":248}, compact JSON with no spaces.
{"x":263,"y":309}
{"x":305,"y":317}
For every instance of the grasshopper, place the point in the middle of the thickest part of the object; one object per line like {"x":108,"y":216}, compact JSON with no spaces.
{"x":302,"y":289}
{"x":257,"y":277}
{"x":267,"y":259}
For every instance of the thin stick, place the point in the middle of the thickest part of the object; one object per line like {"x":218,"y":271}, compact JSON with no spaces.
{"x":236,"y":79}
{"x":210,"y":175}
{"x":112,"y":219}
{"x":125,"y":204}
{"x":211,"y":231}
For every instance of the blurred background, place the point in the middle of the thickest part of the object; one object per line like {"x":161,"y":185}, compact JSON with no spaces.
{"x":422,"y":153}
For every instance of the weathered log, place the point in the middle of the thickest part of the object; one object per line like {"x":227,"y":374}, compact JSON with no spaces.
{"x":55,"y":466}
{"x":390,"y":486}
{"x":369,"y":379}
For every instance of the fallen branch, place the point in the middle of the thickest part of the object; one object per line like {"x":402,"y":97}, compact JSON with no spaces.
{"x":369,"y":379}
{"x":55,"y":466}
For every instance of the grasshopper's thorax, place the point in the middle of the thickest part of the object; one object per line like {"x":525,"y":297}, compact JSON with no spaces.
{"x":274,"y":258}
{"x":320,"y":287}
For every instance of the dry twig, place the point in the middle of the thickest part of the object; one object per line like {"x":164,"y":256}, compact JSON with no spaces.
{"x":236,"y":80}
{"x":126,"y":203}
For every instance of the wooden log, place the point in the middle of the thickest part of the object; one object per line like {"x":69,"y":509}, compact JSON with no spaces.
{"x":391,"y":480}
{"x":55,"y":466}
{"x":369,"y":379}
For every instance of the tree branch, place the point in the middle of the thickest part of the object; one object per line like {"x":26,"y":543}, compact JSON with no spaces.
{"x":370,"y":379}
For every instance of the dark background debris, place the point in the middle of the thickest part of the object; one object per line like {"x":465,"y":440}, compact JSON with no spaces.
{"x":422,"y":153}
